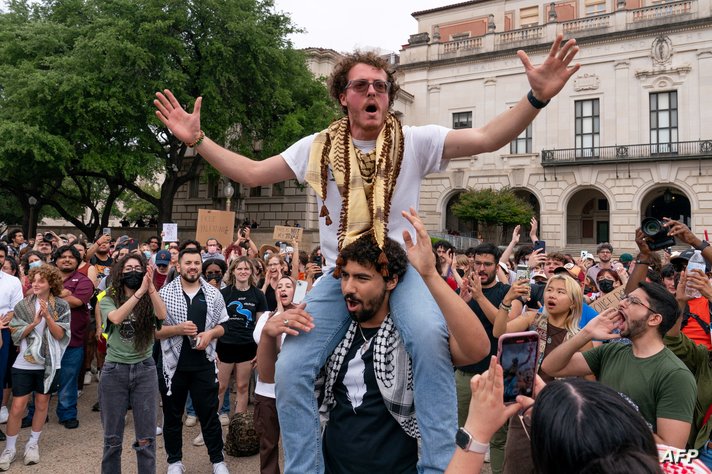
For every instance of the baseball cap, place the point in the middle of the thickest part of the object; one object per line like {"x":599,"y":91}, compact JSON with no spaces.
{"x":683,"y":257}
{"x":574,"y":271}
{"x":163,"y":257}
{"x":539,"y":274}
{"x":626,"y":258}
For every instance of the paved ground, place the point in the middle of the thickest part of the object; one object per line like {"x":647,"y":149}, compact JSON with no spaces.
{"x":78,"y":451}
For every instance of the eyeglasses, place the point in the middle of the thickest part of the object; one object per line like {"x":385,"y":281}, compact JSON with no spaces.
{"x":636,"y":301}
{"x":137,"y":268}
{"x":361,"y":86}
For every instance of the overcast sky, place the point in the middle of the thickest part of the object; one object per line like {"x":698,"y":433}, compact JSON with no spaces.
{"x":348,"y":25}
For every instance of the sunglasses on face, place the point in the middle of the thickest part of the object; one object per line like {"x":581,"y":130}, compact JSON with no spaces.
{"x":361,"y":86}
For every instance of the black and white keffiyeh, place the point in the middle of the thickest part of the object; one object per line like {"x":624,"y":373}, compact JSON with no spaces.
{"x":177,"y":313}
{"x":393,"y":370}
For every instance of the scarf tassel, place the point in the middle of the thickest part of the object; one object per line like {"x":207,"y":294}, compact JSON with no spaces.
{"x":383,"y":262}
{"x":325,"y":213}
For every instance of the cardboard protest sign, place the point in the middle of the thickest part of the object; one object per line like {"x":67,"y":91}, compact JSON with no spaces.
{"x":287,"y":234}
{"x":609,"y":300}
{"x":170,"y":232}
{"x":215,"y":224}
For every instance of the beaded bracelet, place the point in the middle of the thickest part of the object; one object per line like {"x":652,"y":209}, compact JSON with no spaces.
{"x":201,"y":137}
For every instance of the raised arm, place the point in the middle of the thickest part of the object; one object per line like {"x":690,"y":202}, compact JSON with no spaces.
{"x":468,"y":340}
{"x":186,"y":128}
{"x":567,"y":361}
{"x":545,"y":80}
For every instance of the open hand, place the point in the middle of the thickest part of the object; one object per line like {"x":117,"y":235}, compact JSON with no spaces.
{"x":602,"y":327}
{"x":289,"y":322}
{"x":420,"y":251}
{"x":547,"y":79}
{"x":185,"y":126}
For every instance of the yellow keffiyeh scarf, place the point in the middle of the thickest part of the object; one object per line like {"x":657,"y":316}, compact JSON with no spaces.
{"x":366,"y":181}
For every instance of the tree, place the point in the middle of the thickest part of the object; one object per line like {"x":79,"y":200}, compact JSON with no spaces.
{"x":77,"y":80}
{"x":490,"y":208}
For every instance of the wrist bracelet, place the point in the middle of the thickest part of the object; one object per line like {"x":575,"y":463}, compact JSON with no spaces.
{"x":642,"y":262}
{"x":137,"y":297}
{"x":536,"y":103}
{"x":505,"y":307}
{"x":198,"y":141}
{"x":703,"y":245}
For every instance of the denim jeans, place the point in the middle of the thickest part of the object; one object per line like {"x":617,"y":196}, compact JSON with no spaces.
{"x":705,"y":456}
{"x":120,"y":385}
{"x":424,"y":333}
{"x":72,"y":362}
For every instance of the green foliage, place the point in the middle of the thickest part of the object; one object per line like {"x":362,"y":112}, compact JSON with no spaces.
{"x":490,"y":206}
{"x":77,"y":80}
{"x":135,"y":207}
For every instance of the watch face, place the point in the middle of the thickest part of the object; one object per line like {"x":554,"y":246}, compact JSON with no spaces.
{"x":462,"y":439}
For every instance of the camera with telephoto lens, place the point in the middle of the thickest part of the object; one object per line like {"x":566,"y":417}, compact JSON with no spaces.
{"x":656,"y":234}
{"x":48,"y":237}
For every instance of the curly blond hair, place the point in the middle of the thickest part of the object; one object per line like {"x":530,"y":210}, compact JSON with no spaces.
{"x":51,"y":274}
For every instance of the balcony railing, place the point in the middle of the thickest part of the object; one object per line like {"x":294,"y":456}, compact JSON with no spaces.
{"x":662,"y":10}
{"x":590,"y":23}
{"x":701,"y":149}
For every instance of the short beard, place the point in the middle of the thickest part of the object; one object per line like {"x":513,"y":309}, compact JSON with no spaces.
{"x":489,"y":279}
{"x":635,"y":329}
{"x":368,"y":311}
{"x":188,"y":278}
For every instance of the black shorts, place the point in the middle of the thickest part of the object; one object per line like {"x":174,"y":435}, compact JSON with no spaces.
{"x":25,"y":382}
{"x":236,"y":353}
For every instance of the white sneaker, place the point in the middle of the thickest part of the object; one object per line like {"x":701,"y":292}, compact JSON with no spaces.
{"x":198,"y":441}
{"x":32,"y":454}
{"x":176,"y":468}
{"x":80,"y":393}
{"x":159,"y":431}
{"x":6,"y":459}
{"x":224,"y":419}
{"x":191,"y":420}
{"x":98,"y":375}
{"x":87,"y":378}
{"x":220,"y":468}
{"x":3,"y":415}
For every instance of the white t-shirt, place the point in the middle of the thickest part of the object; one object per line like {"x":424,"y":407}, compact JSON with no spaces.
{"x":10,"y":292}
{"x":262,"y":388}
{"x":21,"y":362}
{"x":422,"y":156}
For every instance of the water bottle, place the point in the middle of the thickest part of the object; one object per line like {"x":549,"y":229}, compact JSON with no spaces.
{"x":697,"y":262}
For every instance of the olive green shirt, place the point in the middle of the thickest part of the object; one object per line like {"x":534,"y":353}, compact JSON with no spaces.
{"x":120,"y":337}
{"x":697,"y":358}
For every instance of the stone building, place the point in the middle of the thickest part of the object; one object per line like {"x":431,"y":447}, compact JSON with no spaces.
{"x":625,"y":139}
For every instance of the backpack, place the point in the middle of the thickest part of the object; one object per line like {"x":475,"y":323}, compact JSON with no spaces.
{"x":242,"y":439}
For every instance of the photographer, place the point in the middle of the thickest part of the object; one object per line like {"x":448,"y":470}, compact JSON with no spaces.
{"x":242,"y":246}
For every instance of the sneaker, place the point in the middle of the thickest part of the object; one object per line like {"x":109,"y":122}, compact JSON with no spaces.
{"x":220,"y":468}
{"x":80,"y":393}
{"x":32,"y":454}
{"x":95,"y":407}
{"x":159,"y":431}
{"x":191,"y":420}
{"x":487,"y":455}
{"x":87,"y":378}
{"x":3,"y":415}
{"x":70,"y":424}
{"x":224,"y":419}
{"x":176,"y":468}
{"x":198,"y":441}
{"x":6,"y":459}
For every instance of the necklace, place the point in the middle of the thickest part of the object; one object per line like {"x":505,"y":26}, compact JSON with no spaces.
{"x":367,"y":342}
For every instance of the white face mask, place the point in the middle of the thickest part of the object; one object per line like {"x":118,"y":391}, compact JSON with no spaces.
{"x":35,"y":264}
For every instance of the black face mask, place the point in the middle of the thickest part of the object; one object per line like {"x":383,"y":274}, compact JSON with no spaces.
{"x":213,"y":276}
{"x":132,"y":280}
{"x":606,"y":286}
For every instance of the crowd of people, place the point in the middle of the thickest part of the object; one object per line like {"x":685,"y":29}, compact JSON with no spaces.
{"x":396,"y":339}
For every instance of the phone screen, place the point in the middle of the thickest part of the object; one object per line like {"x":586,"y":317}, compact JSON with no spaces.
{"x":517,"y":356}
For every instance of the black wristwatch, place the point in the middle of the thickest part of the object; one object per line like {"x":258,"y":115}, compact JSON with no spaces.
{"x":703,"y":246}
{"x":465,"y":441}
{"x":536,"y":103}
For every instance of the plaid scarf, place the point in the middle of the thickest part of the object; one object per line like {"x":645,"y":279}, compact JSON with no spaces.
{"x":393,"y":369}
{"x":177,"y":313}
{"x":366,"y":181}
{"x":42,"y":349}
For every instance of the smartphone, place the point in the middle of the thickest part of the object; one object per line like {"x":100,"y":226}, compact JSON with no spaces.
{"x":583,"y":254}
{"x":523,"y":272}
{"x":540,"y":244}
{"x":317,"y":260}
{"x":517,"y":354}
{"x":106,"y":231}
